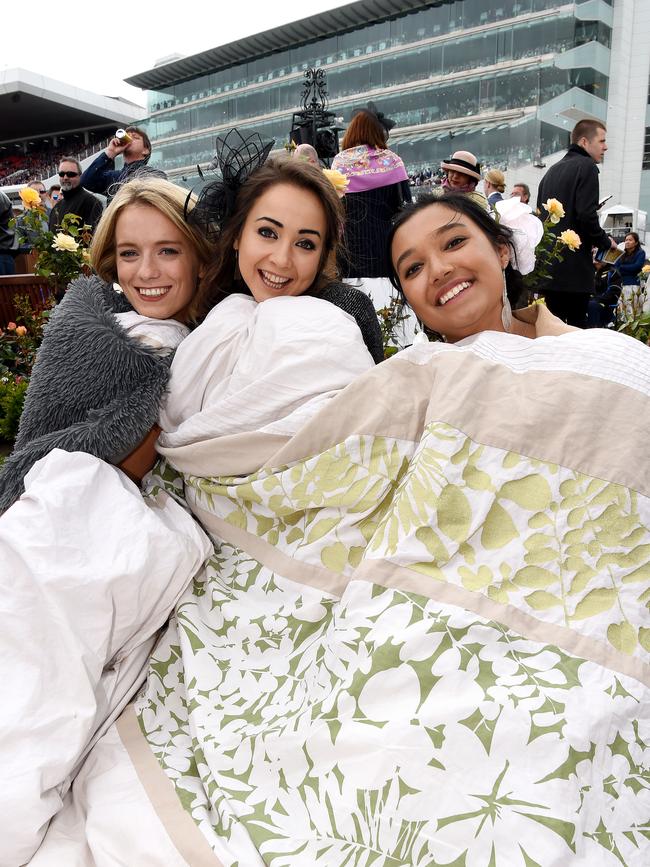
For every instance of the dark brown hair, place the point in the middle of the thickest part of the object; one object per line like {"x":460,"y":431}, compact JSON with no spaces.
{"x":142,"y":133}
{"x":586,"y":129}
{"x":365,"y":129}
{"x":221,"y":278}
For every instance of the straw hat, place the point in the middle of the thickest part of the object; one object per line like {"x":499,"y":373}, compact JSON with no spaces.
{"x":464,"y":162}
{"x":497,"y":179}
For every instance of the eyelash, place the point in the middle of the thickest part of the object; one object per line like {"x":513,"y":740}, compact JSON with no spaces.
{"x":455,"y":242}
{"x":452,"y":244}
{"x":129,"y":254}
{"x":304,"y":243}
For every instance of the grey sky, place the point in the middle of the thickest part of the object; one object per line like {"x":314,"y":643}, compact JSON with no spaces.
{"x":100,"y":44}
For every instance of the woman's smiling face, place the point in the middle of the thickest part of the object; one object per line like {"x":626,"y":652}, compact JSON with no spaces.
{"x":157,"y":268}
{"x":281,"y":242}
{"x":450,"y":272}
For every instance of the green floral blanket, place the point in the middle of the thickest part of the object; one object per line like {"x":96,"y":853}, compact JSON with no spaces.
{"x":423,"y":637}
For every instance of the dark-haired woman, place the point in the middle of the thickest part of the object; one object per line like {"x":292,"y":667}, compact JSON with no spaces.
{"x":457,"y":268}
{"x":258,"y":355}
{"x":377,"y":187}
{"x":620,"y":280}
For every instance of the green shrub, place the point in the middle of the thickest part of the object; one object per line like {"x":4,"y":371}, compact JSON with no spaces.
{"x":12,"y":397}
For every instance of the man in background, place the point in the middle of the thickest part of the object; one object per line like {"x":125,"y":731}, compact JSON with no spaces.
{"x":521,"y":191}
{"x":55,"y":194}
{"x":101,"y":176}
{"x":75,"y":199}
{"x":573,"y":181}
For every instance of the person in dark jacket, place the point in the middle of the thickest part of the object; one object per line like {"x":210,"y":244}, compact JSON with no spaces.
{"x":75,"y":199}
{"x":101,"y":176}
{"x":574,"y":182}
{"x":7,"y":264}
{"x":378,"y":185}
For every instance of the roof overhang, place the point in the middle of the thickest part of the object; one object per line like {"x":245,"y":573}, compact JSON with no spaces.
{"x":33,"y":105}
{"x":334,"y":21}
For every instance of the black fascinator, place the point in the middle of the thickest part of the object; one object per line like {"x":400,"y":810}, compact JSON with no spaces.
{"x":236,"y":158}
{"x":386,"y":122}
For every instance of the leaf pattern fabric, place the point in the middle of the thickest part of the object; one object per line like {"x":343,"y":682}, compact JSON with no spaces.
{"x":470,"y":690}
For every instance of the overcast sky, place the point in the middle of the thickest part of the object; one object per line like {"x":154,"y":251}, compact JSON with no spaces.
{"x":95,"y":45}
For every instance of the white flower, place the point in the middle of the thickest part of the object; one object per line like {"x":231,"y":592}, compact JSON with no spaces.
{"x":65,"y":242}
{"x":526,"y":228}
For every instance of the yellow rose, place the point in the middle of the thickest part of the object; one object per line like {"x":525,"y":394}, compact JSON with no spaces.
{"x":570,"y":239}
{"x":645,"y":269}
{"x":31,"y":199}
{"x":65,"y":242}
{"x":555,"y":210}
{"x":85,"y":255}
{"x":337,"y":179}
{"x":21,"y":331}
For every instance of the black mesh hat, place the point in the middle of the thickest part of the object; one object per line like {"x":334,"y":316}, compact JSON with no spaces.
{"x":236,"y":158}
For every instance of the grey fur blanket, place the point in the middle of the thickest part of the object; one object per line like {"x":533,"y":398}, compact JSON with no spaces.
{"x":93,"y":389}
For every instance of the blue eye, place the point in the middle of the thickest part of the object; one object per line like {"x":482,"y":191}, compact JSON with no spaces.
{"x":127,"y":254}
{"x":169,"y":251}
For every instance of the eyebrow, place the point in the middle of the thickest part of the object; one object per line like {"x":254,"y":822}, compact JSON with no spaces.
{"x":135,"y":243}
{"x":281,"y":226}
{"x":436,"y":232}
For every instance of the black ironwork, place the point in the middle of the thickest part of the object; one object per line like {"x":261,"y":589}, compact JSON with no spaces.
{"x":315,"y":124}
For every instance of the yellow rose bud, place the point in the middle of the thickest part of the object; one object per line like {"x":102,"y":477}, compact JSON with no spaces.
{"x":30,"y":198}
{"x":570,"y":239}
{"x":65,"y":243}
{"x":555,"y":210}
{"x":337,"y":179}
{"x":21,"y":331}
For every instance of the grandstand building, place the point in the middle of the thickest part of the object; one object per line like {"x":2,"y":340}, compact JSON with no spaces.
{"x":506,"y":79}
{"x":43,"y":119}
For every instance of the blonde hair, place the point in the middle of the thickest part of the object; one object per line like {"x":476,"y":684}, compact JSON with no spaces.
{"x":165,"y":197}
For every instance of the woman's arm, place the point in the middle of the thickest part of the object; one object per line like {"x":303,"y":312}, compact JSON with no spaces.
{"x":632,"y":267}
{"x":142,"y":458}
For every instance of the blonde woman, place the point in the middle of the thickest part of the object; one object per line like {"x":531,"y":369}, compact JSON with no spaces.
{"x":103,"y":366}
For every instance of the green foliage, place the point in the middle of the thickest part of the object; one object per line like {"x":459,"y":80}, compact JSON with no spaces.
{"x":19,"y":342}
{"x":391,"y":318}
{"x":12,"y":397}
{"x":550,"y":249}
{"x":60,"y":256}
{"x":630,"y":316}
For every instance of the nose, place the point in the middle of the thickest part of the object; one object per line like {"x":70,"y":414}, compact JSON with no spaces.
{"x":439,"y":268}
{"x":149,"y":266}
{"x":281,"y":254}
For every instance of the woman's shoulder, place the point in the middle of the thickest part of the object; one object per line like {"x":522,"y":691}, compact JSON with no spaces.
{"x":87,"y":294}
{"x":545,"y":323}
{"x":357,"y":304}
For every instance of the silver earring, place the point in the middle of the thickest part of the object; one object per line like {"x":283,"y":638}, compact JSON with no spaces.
{"x":506,"y":311}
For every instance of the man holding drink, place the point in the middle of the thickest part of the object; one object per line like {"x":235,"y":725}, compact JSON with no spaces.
{"x":133,"y":143}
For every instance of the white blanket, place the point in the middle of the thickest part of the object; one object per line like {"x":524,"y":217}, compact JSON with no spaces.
{"x":89,"y":572}
{"x":265,"y":367}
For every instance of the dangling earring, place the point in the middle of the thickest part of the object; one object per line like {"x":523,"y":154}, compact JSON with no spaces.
{"x":506,"y":311}
{"x":420,"y":338}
